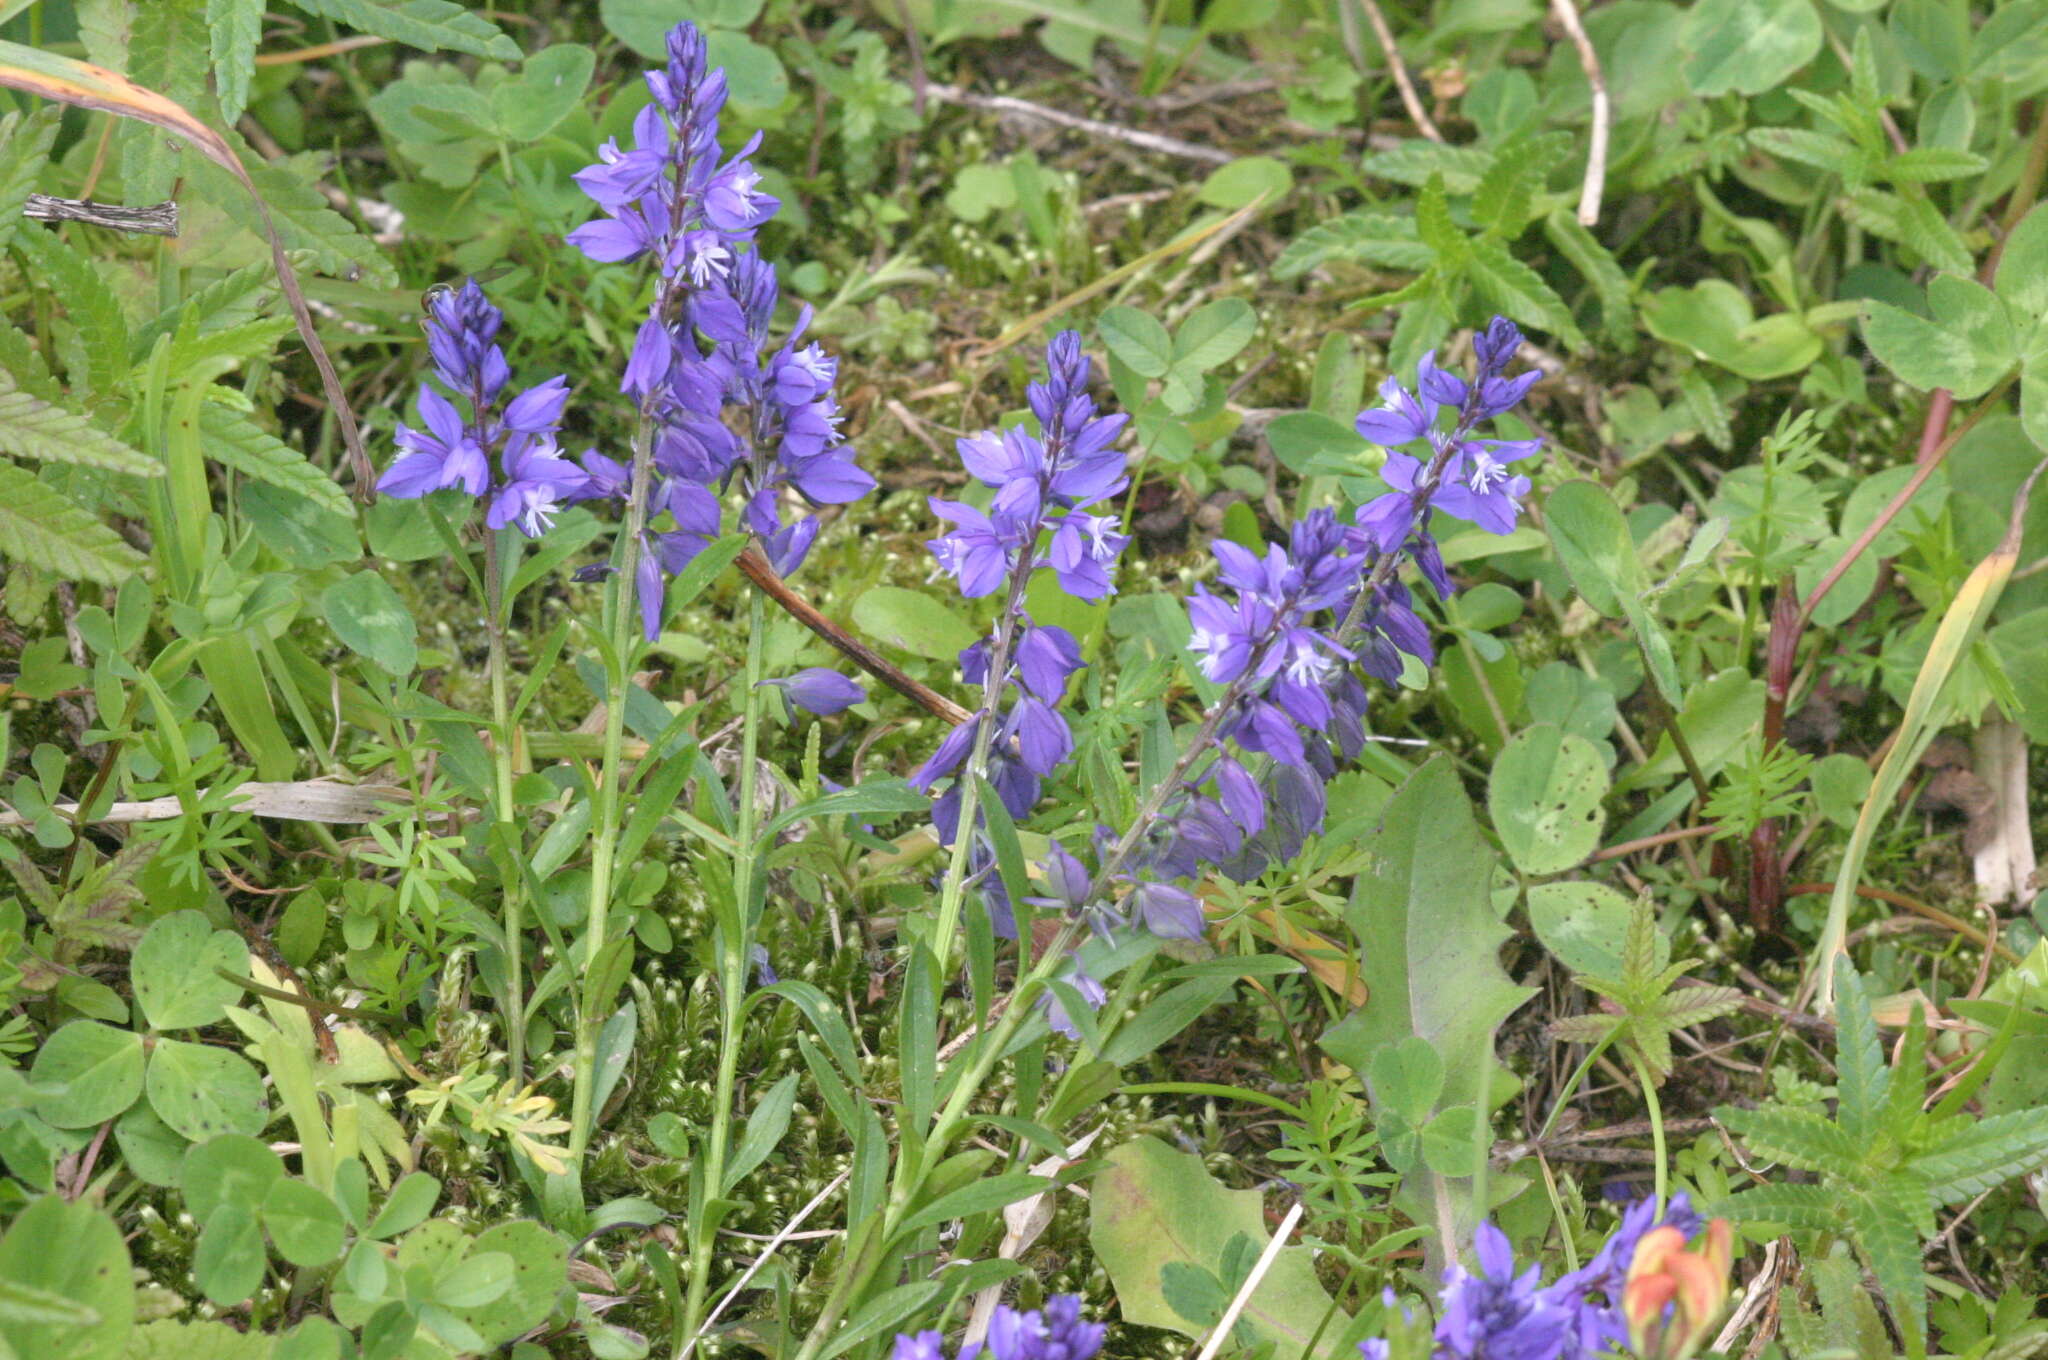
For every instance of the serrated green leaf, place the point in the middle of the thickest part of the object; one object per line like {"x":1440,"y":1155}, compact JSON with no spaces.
{"x":1597,"y":266}
{"x":89,"y":304}
{"x":1433,"y":221}
{"x":166,"y":47}
{"x":226,"y":302}
{"x":1697,"y":1005}
{"x":1805,"y":1207}
{"x":20,"y":357}
{"x":1414,"y":161}
{"x":1506,"y":285}
{"x":1797,"y":1137}
{"x":430,"y":25}
{"x":237,"y":442}
{"x":202,"y":356}
{"x":33,"y":428}
{"x":300,"y":213}
{"x":1911,"y":222}
{"x":1861,"y":1077}
{"x":44,"y":529}
{"x":1985,"y":1153}
{"x":233,"y":27}
{"x":1932,"y":164}
{"x":25,"y":142}
{"x":1368,"y":237}
{"x":1822,"y":151}
{"x":1884,"y":1232}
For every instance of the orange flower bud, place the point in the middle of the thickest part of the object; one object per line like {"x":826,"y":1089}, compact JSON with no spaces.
{"x":1674,"y":1296}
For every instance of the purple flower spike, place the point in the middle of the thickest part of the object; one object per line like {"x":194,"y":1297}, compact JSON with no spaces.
{"x":728,"y":410}
{"x":462,"y":329}
{"x":818,"y":689}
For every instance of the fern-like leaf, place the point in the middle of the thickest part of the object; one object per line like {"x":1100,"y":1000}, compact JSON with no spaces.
{"x":33,"y":428}
{"x":202,"y":357}
{"x":1795,"y":1137}
{"x":1982,"y":1153}
{"x":1910,"y":222}
{"x":241,"y":444}
{"x":44,"y":529}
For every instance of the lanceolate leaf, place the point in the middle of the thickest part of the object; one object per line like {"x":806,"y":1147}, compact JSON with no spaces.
{"x":33,"y":428}
{"x":89,"y":305}
{"x":40,"y":527}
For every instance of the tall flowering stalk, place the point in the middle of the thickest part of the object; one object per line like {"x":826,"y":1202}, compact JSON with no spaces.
{"x":530,"y":482}
{"x":1045,"y":486}
{"x":722,"y":410}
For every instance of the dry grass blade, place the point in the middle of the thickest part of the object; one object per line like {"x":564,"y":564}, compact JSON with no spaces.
{"x":306,"y":800}
{"x":48,"y":76}
{"x":1923,"y":717}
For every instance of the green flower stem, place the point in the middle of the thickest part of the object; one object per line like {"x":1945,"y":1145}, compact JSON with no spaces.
{"x":737,"y":939}
{"x":855,"y":1274}
{"x":621,"y":628}
{"x":1656,"y":1125}
{"x":514,"y":1000}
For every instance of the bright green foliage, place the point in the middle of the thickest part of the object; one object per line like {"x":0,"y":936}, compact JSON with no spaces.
{"x":1886,"y":1162}
{"x":1646,"y":1007}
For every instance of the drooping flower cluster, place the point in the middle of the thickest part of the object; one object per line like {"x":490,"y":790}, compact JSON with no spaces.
{"x":1641,"y":1284}
{"x":1045,"y":486}
{"x":1056,"y":1332}
{"x":720,"y":404}
{"x":532,"y":480}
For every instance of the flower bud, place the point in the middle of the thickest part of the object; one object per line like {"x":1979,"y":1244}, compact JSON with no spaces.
{"x":1674,"y":1296}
